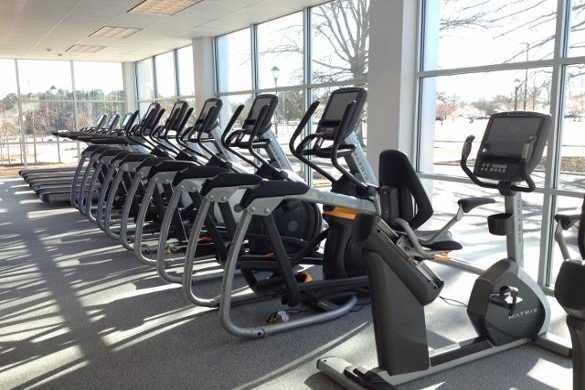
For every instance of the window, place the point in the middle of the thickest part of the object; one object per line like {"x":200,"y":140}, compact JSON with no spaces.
{"x":234,"y":61}
{"x":297,"y":61}
{"x":34,"y":83}
{"x":186,"y":70}
{"x":340,"y":41}
{"x":576,"y":33}
{"x":572,"y":167}
{"x":97,"y":95}
{"x":457,"y":111}
{"x":167,"y":69}
{"x":10,"y":140}
{"x":145,"y":79}
{"x":166,"y":82}
{"x":48,"y":102}
{"x":280,"y":52}
{"x":468,"y":32}
{"x":109,"y":86}
{"x":478,"y":58}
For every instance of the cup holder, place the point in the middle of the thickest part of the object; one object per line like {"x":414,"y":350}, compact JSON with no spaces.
{"x":500,"y":224}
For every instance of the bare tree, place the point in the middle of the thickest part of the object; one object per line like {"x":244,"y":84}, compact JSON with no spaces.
{"x":344,"y":26}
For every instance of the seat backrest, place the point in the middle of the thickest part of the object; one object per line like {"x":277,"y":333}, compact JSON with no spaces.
{"x":401,"y":192}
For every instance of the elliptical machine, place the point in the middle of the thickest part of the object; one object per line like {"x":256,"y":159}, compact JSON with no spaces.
{"x":506,"y":307}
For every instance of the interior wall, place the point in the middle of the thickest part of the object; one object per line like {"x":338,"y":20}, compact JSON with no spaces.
{"x":204,"y":70}
{"x":391,"y":77}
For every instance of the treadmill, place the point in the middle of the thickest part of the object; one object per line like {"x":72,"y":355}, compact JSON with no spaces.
{"x":58,"y":189}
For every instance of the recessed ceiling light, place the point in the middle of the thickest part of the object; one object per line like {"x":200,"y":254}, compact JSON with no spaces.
{"x":115,"y":32}
{"x":85,"y":48}
{"x":163,"y":7}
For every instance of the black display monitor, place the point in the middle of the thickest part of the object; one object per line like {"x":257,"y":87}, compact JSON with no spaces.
{"x":112,"y":121}
{"x":127,"y":118}
{"x":205,"y":110}
{"x":335,"y":109}
{"x":500,"y":153}
{"x":265,"y":100}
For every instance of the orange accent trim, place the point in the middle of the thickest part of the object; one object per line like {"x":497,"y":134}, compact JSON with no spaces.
{"x":270,"y":255}
{"x":308,"y":277}
{"x":442,"y":257}
{"x":206,"y":239}
{"x":342,"y":212}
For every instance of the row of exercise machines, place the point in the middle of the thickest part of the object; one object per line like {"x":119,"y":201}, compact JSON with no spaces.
{"x":183,"y":199}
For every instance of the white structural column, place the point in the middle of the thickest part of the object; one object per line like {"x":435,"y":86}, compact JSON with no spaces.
{"x":129,"y":72}
{"x":204,"y":73}
{"x":391,"y":77}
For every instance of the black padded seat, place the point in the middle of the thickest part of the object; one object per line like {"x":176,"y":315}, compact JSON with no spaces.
{"x":401,"y":192}
{"x":569,"y":288}
{"x":571,"y":278}
{"x":403,"y":196}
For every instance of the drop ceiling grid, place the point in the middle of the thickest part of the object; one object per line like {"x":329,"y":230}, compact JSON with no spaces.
{"x":30,"y":27}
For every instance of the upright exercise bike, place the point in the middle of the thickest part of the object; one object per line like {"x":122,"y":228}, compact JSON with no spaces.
{"x":506,"y":307}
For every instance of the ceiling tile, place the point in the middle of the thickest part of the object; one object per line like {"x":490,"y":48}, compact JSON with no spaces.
{"x":29,"y":27}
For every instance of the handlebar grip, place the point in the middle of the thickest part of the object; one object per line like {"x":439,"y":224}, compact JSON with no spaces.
{"x":467,"y":147}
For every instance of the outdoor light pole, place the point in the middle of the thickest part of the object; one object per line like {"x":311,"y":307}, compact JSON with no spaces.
{"x":275,"y":73}
{"x":516,"y":87}
{"x":526,"y":74}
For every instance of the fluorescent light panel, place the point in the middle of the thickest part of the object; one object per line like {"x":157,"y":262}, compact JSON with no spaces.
{"x":163,"y":7}
{"x":115,"y":32}
{"x":85,"y":48}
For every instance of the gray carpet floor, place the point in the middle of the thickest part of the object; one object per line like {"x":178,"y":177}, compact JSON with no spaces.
{"x":79,"y":312}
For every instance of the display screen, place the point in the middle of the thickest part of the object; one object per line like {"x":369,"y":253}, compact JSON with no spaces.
{"x":205,"y":110}
{"x":336,"y":106}
{"x":507,"y":135}
{"x":257,"y":107}
{"x":127,"y":119}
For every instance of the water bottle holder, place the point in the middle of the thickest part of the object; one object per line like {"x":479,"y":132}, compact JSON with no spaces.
{"x":501,"y":224}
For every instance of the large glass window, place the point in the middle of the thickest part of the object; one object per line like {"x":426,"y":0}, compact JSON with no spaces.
{"x":572,"y":163}
{"x":10,"y":140}
{"x":167,"y":69}
{"x":48,"y":102}
{"x":145,"y":79}
{"x":470,"y":32}
{"x":483,"y":57}
{"x":340,"y":41}
{"x":166,"y":82}
{"x":234,"y":61}
{"x":576,"y":33}
{"x":186,"y":70}
{"x":99,"y":95}
{"x":280,"y":52}
{"x":109,"y":86}
{"x":45,"y":80}
{"x":298,"y":62}
{"x":458,"y":111}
